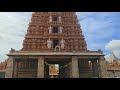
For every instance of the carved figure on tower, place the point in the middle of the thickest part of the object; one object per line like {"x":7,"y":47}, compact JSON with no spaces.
{"x":50,"y":29}
{"x":50,"y":18}
{"x":62,"y":44}
{"x":60,"y":29}
{"x":49,"y":43}
{"x":59,"y":18}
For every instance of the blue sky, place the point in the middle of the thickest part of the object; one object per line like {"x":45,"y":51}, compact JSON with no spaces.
{"x":101,"y":31}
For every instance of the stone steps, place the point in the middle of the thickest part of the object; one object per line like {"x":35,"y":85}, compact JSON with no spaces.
{"x":86,"y":74}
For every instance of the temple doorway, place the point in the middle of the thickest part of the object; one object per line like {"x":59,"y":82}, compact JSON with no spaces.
{"x":53,"y":70}
{"x":57,"y":69}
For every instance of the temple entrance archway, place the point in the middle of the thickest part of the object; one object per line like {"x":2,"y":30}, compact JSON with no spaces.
{"x":55,"y":68}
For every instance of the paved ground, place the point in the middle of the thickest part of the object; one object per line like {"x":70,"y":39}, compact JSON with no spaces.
{"x":2,"y":74}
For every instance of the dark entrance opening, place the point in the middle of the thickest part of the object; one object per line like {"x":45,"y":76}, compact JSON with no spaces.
{"x":55,"y":43}
{"x":53,"y":70}
{"x":55,"y":18}
{"x":57,"y":69}
{"x":85,"y":68}
{"x":55,"y":29}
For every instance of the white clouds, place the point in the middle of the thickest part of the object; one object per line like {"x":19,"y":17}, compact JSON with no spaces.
{"x":98,"y":28}
{"x":94,"y":22}
{"x":85,"y":15}
{"x":13,"y":25}
{"x":1,"y":49}
{"x":114,"y":46}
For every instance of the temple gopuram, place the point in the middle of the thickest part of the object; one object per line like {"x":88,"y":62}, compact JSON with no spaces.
{"x":55,"y":40}
{"x":113,"y":66}
{"x":3,"y":66}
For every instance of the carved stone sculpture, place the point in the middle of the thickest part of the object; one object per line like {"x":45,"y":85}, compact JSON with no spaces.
{"x":62,"y":44}
{"x":49,"y":43}
{"x":50,"y":29}
{"x":59,"y":18}
{"x":50,"y":18}
{"x":60,"y":29}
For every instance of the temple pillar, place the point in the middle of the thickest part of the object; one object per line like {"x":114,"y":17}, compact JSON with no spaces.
{"x":95,"y":68}
{"x":102,"y":67}
{"x":9,"y":68}
{"x":74,"y":67}
{"x":40,"y":67}
{"x":15,"y":69}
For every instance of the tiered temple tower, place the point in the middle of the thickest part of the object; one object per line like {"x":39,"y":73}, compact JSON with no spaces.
{"x":55,"y":38}
{"x":48,"y":31}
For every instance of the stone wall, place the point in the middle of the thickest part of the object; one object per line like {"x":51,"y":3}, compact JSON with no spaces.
{"x":9,"y":68}
{"x":2,"y":74}
{"x":3,"y":65}
{"x":113,"y":74}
